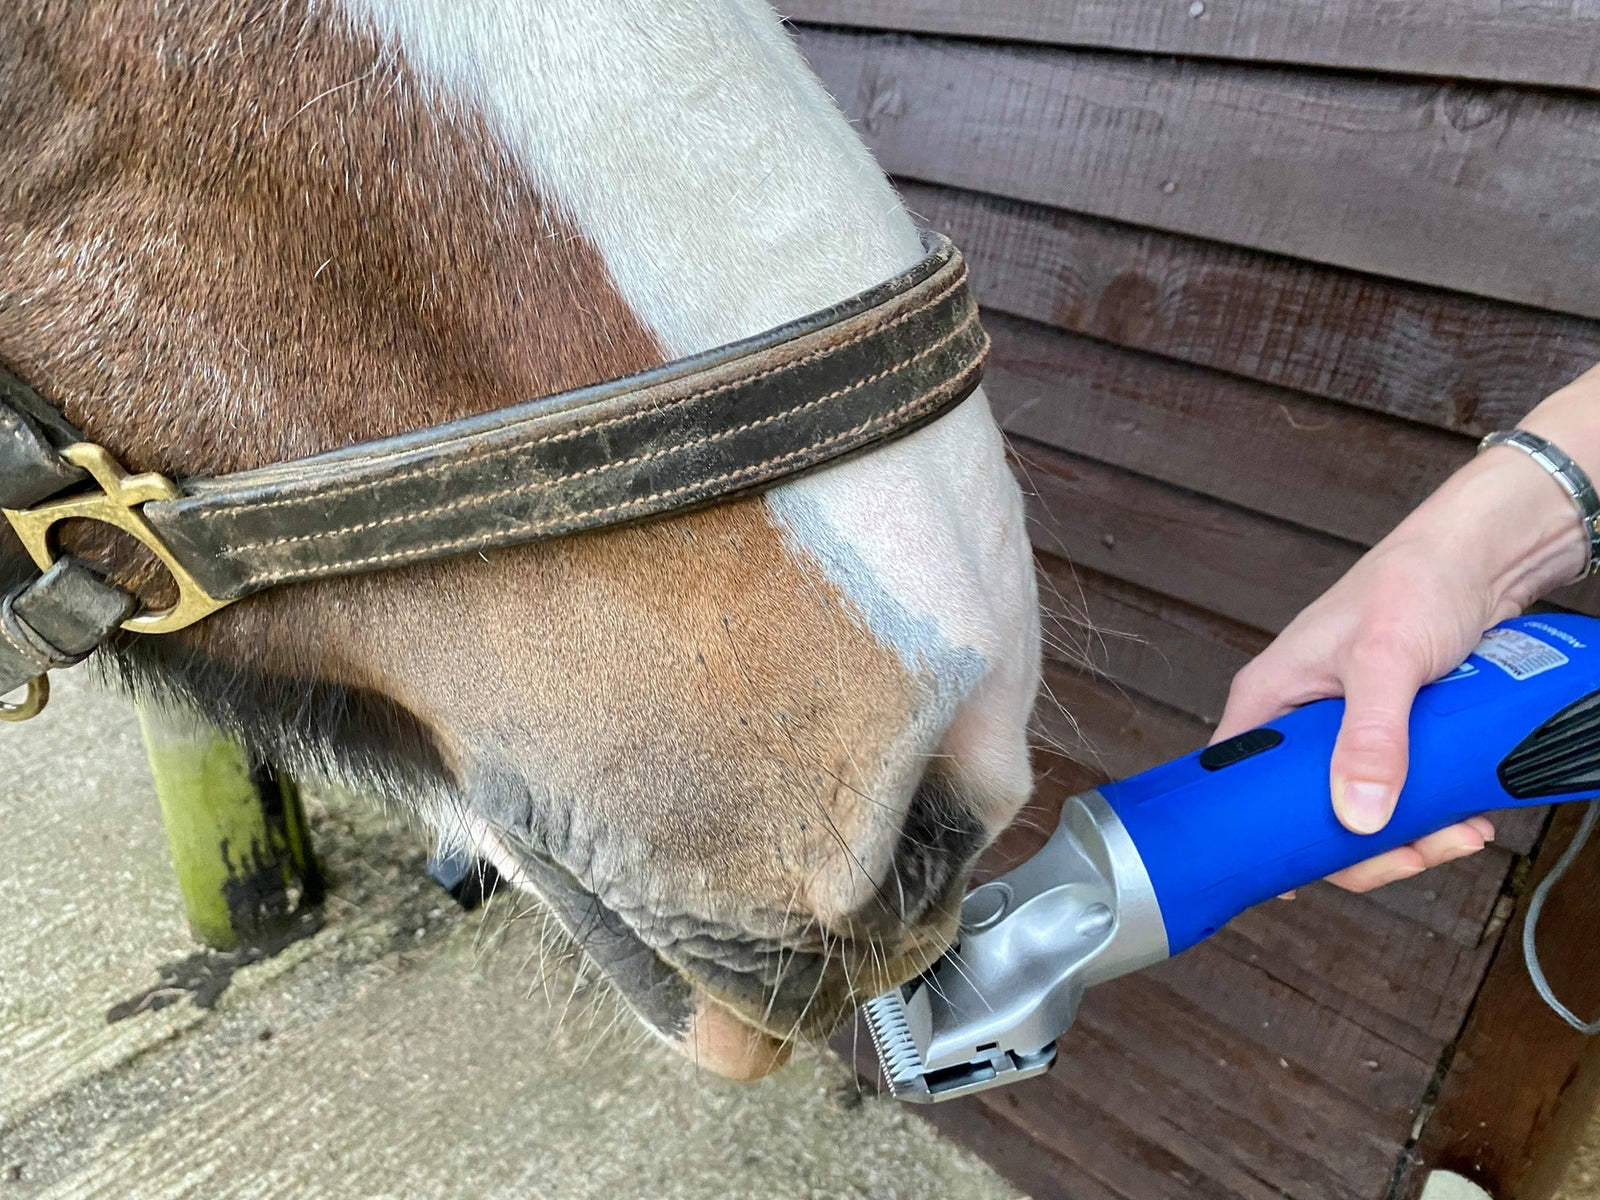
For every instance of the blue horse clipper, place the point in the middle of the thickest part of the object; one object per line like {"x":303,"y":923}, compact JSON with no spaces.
{"x":1144,"y":868}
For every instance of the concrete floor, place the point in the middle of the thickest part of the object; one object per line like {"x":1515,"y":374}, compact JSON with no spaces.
{"x":1581,"y":1179}
{"x":406,"y":1051}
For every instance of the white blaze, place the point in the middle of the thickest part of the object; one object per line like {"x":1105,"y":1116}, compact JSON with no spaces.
{"x":689,"y":143}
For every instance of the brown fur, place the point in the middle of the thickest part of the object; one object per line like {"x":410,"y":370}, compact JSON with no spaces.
{"x":232,"y":233}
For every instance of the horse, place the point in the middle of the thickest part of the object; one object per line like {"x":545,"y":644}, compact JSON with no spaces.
{"x":747,"y":753}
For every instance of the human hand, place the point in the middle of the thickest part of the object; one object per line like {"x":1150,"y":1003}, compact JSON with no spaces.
{"x":1494,"y":537}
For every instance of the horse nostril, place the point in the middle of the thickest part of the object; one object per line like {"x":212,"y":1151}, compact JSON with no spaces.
{"x":939,"y":838}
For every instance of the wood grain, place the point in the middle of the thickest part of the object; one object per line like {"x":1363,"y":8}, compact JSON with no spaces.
{"x":1385,"y":969}
{"x":1216,"y":1132}
{"x":1245,"y":566}
{"x":1478,"y":189}
{"x":1107,"y":728}
{"x":1324,"y":466}
{"x":1250,"y":568}
{"x":1501,"y":1104}
{"x":1550,"y":42}
{"x":1172,"y":652}
{"x":1437,"y":357}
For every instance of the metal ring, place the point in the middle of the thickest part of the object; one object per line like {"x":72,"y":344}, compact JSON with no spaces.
{"x":31,"y":705}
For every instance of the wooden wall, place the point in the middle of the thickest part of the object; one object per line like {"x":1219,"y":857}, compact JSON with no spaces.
{"x":1258,"y":273}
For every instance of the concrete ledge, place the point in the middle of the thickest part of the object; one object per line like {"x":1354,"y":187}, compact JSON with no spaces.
{"x":406,"y":1051}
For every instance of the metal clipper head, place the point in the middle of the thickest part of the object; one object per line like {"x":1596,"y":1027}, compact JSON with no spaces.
{"x":1079,"y":911}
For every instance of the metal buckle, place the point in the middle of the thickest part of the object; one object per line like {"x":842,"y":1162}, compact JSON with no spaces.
{"x":31,"y":705}
{"x":117,"y":503}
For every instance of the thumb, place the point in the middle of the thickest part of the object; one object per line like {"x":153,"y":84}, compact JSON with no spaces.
{"x":1370,"y":755}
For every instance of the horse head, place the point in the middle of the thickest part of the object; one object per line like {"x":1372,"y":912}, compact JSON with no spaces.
{"x":745,"y":754}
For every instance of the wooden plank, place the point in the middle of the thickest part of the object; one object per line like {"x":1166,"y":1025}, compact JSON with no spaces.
{"x":1040,"y":1171}
{"x":1172,"y":652}
{"x":1250,"y":568}
{"x":1106,"y":1145}
{"x":1549,"y":42}
{"x":1395,"y":975}
{"x":1107,"y":728}
{"x":1241,"y":565}
{"x":1464,"y":900}
{"x":1211,"y":1117}
{"x":1325,"y":466}
{"x":1482,"y":191}
{"x":1248,"y":999}
{"x":1502,"y":1101}
{"x":1453,"y":361}
{"x":1287,"y":1125}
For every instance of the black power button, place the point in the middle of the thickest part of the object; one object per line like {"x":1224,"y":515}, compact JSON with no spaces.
{"x":1238,"y":748}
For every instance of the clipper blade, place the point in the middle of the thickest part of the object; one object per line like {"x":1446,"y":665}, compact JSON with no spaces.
{"x":898,"y":1055}
{"x":895,"y":1020}
{"x":989,"y":1010}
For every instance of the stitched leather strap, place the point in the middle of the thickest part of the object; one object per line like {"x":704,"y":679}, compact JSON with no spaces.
{"x":692,"y":432}
{"x":735,"y":420}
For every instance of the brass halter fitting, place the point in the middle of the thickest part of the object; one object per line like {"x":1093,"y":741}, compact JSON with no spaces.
{"x":31,"y":705}
{"x":117,"y":503}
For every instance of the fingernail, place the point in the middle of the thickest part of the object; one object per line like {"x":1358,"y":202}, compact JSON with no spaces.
{"x":1366,"y":806}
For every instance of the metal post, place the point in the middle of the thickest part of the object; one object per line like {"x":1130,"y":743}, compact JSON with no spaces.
{"x":237,"y":832}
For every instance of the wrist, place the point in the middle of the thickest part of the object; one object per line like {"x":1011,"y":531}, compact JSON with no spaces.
{"x":1510,"y":523}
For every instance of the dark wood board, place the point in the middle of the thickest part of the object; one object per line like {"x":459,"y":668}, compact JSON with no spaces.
{"x":1370,"y":962}
{"x":1250,"y":568}
{"x":1541,"y":43}
{"x":1503,"y":1105}
{"x":1444,"y":359}
{"x":1321,"y":465}
{"x":1107,"y":727}
{"x":1253,"y":569}
{"x":1480,"y":190}
{"x":1172,"y":652}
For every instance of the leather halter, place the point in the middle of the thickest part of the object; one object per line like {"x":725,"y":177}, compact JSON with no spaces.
{"x":693,"y":432}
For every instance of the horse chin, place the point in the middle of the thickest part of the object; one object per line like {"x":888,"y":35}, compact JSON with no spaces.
{"x":736,"y":1036}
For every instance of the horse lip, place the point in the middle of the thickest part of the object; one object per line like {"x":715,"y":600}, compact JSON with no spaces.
{"x":659,"y":986}
{"x":663,"y":987}
{"x":661,"y":996}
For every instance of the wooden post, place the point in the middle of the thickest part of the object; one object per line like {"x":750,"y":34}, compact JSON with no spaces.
{"x":237,"y":832}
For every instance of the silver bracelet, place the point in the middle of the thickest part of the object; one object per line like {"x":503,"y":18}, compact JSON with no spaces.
{"x":1573,"y":479}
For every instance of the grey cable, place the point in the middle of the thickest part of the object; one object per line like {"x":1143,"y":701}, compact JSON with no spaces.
{"x":1530,"y":952}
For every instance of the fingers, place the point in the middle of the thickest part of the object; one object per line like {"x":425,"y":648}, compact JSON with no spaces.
{"x":1370,"y":755}
{"x":1258,"y":693}
{"x":1405,"y":861}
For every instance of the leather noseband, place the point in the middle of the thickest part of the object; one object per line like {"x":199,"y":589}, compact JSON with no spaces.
{"x":693,"y":432}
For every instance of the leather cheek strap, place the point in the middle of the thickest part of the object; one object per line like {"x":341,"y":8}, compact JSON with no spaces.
{"x":31,"y":434}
